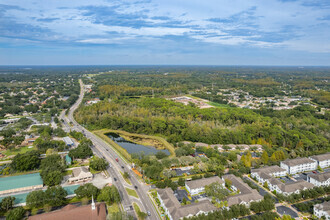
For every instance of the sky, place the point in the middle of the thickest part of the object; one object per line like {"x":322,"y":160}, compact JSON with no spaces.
{"x":165,"y":32}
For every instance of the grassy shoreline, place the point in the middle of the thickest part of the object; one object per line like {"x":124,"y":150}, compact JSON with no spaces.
{"x":136,"y":138}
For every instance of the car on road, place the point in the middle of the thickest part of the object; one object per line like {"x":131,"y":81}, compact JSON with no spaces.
{"x":117,"y":160}
{"x":115,"y":179}
{"x":123,"y":167}
{"x":135,"y":187}
{"x":149,"y":214}
{"x":314,"y":172}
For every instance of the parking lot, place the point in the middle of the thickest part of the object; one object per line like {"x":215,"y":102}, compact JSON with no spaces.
{"x":180,"y":194}
{"x":303,"y":176}
{"x":286,"y":179}
{"x":283,"y":210}
{"x":180,"y":172}
{"x":300,"y":176}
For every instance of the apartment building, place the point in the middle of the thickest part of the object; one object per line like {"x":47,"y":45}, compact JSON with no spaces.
{"x":322,"y":210}
{"x":319,"y":179}
{"x":175,"y":211}
{"x":298,"y":165}
{"x":245,"y":196}
{"x":268,"y":174}
{"x":322,"y":160}
{"x":198,"y":186}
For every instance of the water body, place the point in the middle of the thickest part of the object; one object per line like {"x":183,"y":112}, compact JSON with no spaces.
{"x":21,"y":197}
{"x":133,"y":147}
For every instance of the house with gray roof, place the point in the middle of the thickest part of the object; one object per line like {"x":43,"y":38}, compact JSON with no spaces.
{"x":319,"y":179}
{"x":298,"y":165}
{"x":322,"y":209}
{"x":175,"y":211}
{"x":265,"y":172}
{"x":323,"y":160}
{"x":245,"y":195}
{"x":198,"y":186}
{"x":266,"y":175}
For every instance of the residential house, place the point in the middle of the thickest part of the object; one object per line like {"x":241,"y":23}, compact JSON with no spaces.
{"x":198,"y":186}
{"x":322,"y":160}
{"x":298,"y":165}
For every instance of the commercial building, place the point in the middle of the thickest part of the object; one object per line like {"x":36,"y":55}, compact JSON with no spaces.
{"x":322,"y":160}
{"x":68,"y":141}
{"x":175,"y":211}
{"x":69,"y":212}
{"x":298,"y":165}
{"x":321,"y":210}
{"x":245,"y":195}
{"x":319,"y":179}
{"x":198,"y":186}
{"x":20,"y":183}
{"x":80,"y":174}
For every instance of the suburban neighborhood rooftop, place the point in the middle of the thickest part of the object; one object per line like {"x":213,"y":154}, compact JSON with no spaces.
{"x":297,"y":161}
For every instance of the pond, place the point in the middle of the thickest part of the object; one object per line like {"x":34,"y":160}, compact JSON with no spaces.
{"x":133,"y":147}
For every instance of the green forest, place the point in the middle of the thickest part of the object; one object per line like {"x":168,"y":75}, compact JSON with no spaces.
{"x":138,"y":102}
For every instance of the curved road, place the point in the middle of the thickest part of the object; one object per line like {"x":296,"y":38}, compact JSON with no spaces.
{"x":103,"y":149}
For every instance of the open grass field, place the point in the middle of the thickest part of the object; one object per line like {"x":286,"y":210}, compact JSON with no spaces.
{"x":114,"y":208}
{"x":132,"y":192}
{"x":20,"y":150}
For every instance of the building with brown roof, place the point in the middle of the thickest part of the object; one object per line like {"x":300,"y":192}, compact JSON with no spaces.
{"x":73,"y":212}
{"x":80,"y":174}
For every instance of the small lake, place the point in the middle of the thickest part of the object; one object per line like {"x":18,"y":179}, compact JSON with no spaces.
{"x":133,"y":147}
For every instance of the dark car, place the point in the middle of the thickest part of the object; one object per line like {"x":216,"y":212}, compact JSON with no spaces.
{"x":115,"y":179}
{"x":135,"y":187}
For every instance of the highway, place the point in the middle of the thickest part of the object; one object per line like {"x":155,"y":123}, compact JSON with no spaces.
{"x":103,"y":149}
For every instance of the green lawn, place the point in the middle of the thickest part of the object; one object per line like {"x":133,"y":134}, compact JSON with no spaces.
{"x":132,"y":192}
{"x":114,"y":208}
{"x":20,"y":150}
{"x":136,"y":207}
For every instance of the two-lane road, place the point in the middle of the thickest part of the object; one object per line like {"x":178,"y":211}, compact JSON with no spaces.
{"x":103,"y":149}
